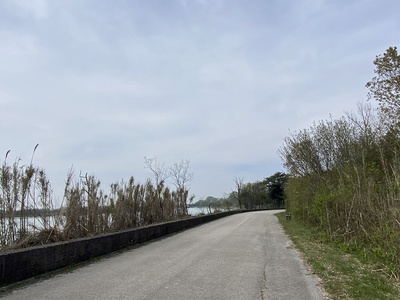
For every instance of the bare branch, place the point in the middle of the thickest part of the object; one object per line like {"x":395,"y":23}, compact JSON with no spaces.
{"x":180,"y":174}
{"x":159,"y":172}
{"x":239,"y":185}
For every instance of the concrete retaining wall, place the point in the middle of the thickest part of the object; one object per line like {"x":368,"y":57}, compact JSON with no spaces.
{"x":26,"y":263}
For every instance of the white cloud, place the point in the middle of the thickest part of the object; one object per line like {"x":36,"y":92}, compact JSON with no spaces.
{"x":102,"y":84}
{"x":35,"y":8}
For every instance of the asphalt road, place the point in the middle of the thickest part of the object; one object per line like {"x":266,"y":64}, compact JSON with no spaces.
{"x":243,"y":256}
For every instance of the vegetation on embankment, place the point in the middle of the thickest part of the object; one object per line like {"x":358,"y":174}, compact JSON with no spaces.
{"x":345,"y":273}
{"x":344,"y":174}
{"x":87,"y":210}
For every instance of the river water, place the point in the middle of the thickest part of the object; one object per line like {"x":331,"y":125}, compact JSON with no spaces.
{"x":36,"y":223}
{"x":32,"y":223}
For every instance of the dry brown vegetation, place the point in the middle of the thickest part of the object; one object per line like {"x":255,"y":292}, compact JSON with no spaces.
{"x":27,"y":215}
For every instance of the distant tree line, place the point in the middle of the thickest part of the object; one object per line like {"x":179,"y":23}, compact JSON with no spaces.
{"x":268,"y":193}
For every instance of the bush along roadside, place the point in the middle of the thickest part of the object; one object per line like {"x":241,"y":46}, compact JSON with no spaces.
{"x":345,"y":272}
{"x":344,"y":173}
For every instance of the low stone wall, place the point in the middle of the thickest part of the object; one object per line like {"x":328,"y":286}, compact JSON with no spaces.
{"x":25,"y":263}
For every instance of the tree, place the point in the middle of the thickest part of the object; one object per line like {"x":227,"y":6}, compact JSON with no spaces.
{"x":276,"y":188}
{"x":181,"y":178}
{"x":159,"y":172}
{"x":238,"y":184}
{"x":254,"y":195}
{"x":385,"y":86}
{"x":180,"y":174}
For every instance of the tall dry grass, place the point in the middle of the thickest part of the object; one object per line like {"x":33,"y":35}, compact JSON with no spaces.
{"x":26,"y":205}
{"x":90,"y":211}
{"x":28,"y":217}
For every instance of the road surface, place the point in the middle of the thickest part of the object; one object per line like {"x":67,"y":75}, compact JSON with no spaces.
{"x":243,"y":256}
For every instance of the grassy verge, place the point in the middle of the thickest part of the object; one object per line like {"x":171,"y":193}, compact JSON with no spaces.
{"x":343,"y":274}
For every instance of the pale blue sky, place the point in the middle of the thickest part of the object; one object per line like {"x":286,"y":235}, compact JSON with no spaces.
{"x":101,"y":84}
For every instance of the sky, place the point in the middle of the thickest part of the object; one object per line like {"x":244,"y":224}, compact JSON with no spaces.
{"x":101,"y":84}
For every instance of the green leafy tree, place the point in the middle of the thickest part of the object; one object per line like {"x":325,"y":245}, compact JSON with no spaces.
{"x":276,"y":188}
{"x":264,"y":194}
{"x":385,"y":86}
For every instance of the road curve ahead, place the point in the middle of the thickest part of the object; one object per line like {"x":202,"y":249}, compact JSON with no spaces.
{"x":243,"y":256}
